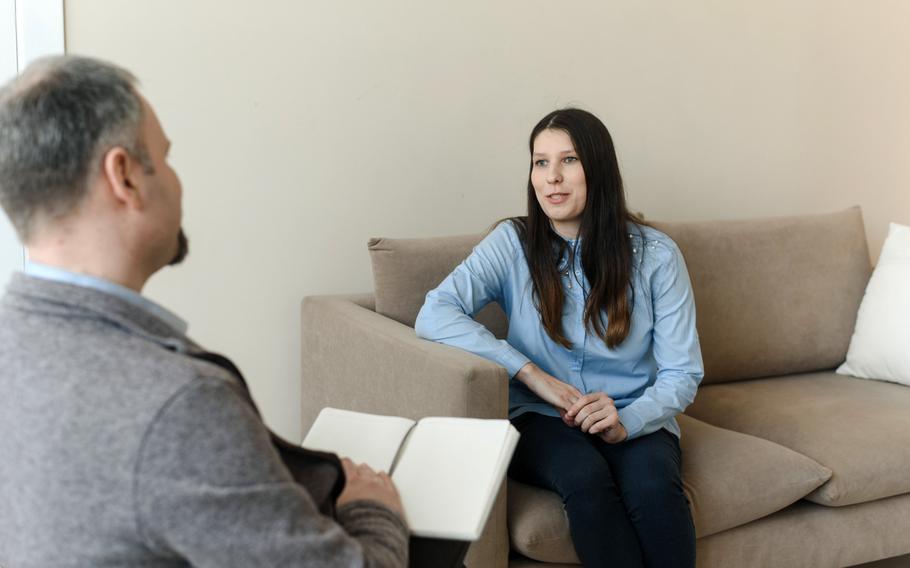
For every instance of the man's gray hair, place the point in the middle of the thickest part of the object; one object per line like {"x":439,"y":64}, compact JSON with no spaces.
{"x":57,"y":120}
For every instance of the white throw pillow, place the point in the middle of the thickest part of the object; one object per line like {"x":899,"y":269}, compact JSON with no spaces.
{"x":880,"y":347}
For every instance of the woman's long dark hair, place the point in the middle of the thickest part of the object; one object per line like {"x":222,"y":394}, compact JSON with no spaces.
{"x":606,"y":250}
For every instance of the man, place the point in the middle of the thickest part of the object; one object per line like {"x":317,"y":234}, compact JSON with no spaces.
{"x":123,"y":442}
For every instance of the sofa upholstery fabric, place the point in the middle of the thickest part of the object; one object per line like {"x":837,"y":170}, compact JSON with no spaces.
{"x":774,"y":296}
{"x":806,"y":534}
{"x":729,"y":478}
{"x":859,"y":429}
{"x":732,"y":478}
{"x":802,"y":535}
{"x":404,"y":270}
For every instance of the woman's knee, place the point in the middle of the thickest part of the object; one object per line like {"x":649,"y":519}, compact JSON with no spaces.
{"x":653,"y":493}
{"x":649,"y":472}
{"x":589,"y":482}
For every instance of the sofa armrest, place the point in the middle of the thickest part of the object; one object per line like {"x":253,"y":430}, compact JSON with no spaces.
{"x":356,"y":359}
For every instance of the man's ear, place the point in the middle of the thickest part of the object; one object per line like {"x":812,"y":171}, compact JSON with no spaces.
{"x":122,"y":175}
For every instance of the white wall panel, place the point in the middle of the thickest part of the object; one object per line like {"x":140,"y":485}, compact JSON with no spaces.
{"x":39,"y":26}
{"x":28,"y":29}
{"x":10,"y":251}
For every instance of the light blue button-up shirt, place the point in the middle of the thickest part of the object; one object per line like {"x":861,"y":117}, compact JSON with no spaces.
{"x":38,"y":270}
{"x":652,"y":376}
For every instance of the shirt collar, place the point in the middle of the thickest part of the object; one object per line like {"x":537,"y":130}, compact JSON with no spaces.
{"x":53,"y":273}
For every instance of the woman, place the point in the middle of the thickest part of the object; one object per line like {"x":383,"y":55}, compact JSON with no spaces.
{"x":602,"y":347}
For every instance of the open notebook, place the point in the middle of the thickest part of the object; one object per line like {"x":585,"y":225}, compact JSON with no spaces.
{"x":447,"y":470}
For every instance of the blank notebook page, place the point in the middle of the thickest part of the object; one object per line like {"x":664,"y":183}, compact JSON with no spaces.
{"x":365,"y":438}
{"x":447,"y":488}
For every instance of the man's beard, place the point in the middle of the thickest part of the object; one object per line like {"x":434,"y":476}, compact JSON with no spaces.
{"x":183,"y":248}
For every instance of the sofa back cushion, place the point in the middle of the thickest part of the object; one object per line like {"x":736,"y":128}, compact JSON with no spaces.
{"x":404,"y":270}
{"x":773,"y":296}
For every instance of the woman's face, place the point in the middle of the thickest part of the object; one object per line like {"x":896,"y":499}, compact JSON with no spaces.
{"x":559,"y":181}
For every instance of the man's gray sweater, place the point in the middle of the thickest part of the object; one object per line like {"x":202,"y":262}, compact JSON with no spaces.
{"x":118,"y":449}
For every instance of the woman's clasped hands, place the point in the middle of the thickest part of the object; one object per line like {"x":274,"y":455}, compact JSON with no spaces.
{"x":594,"y":413}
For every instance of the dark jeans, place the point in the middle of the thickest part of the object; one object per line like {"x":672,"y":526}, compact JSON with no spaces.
{"x":436,"y":553}
{"x":625,"y":502}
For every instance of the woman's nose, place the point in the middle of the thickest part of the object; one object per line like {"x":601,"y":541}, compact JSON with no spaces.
{"x":554,"y":175}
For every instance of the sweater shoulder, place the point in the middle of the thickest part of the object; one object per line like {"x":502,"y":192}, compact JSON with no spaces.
{"x":112,"y":369}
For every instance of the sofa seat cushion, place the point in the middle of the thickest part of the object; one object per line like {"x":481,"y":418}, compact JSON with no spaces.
{"x":857,"y":428}
{"x":538,"y":526}
{"x":729,"y":478}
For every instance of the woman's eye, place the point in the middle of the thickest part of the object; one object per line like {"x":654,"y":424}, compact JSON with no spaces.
{"x":540,"y":163}
{"x":570,"y":159}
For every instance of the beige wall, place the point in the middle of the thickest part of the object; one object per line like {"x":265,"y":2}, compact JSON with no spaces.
{"x":303,"y":128}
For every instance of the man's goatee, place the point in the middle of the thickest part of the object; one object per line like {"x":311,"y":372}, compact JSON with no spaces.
{"x":183,"y":248}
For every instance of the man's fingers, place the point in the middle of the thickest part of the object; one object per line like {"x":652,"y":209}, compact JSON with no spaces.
{"x":387,"y":481}
{"x":350,"y":470}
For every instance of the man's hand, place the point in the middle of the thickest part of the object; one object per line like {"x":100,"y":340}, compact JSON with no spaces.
{"x":561,"y":395}
{"x":365,"y":484}
{"x":596,"y":414}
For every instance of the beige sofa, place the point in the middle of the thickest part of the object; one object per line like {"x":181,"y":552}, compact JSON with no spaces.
{"x":784,"y":462}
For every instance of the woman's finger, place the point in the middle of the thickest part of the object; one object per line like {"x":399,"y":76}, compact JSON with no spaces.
{"x":579,"y":404}
{"x":605,"y":425}
{"x":597,"y":405}
{"x":595,"y":418}
{"x":601,"y":399}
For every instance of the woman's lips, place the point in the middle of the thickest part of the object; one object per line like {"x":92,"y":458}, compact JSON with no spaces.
{"x":557,"y":198}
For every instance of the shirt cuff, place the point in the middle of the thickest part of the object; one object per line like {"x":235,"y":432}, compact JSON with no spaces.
{"x":631,"y":421}
{"x":512,"y":360}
